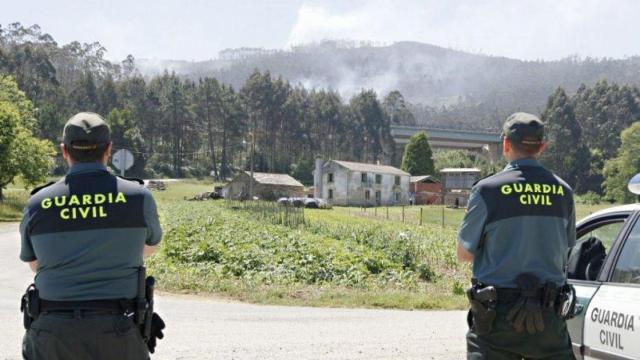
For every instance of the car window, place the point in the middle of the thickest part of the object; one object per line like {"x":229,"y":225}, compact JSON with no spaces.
{"x":606,"y":233}
{"x":627,"y":269}
{"x":587,"y":257}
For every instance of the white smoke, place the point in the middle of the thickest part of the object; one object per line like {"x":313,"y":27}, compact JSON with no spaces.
{"x":527,"y":29}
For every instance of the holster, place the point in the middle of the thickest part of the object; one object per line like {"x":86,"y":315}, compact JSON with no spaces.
{"x":144,"y":305}
{"x":30,"y":306}
{"x":483,"y":308}
{"x":146,"y":330}
{"x":566,"y":302}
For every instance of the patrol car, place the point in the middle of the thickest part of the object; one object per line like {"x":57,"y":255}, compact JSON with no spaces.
{"x":607,"y":283}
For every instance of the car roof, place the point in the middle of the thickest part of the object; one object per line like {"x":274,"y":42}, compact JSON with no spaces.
{"x":629,"y":208}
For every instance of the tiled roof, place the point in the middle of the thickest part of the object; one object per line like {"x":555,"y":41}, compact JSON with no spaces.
{"x":275,"y":179}
{"x":423,"y":178}
{"x":380,"y":169}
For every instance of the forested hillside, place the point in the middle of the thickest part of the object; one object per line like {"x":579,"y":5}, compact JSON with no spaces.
{"x":183,"y":127}
{"x":218,"y":118}
{"x":475,"y":89}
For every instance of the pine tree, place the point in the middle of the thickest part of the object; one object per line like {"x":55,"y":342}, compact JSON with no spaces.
{"x":418,"y":158}
{"x":369,"y":119}
{"x":566,"y":154}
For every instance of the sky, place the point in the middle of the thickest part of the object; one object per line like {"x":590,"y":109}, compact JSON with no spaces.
{"x":199,"y":29}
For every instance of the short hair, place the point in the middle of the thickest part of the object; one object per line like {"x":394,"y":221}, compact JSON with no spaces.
{"x":525,"y":149}
{"x":83,"y":151}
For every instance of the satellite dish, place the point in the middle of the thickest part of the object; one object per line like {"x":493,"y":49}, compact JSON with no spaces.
{"x":634,"y":184}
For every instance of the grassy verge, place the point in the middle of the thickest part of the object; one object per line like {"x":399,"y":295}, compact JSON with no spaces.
{"x":11,"y":208}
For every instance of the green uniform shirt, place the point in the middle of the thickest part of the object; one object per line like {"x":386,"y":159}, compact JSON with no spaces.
{"x":521,"y":220}
{"x":87,"y":232}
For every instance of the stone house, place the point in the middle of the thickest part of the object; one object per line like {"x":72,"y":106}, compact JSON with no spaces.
{"x":346,"y":183}
{"x":266,"y":186}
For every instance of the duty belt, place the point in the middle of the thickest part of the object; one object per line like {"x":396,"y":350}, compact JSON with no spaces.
{"x":124,"y":306}
{"x":510,"y":295}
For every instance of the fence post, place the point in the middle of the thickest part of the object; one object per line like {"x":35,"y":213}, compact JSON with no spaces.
{"x":443,"y":216}
{"x":375,"y":211}
{"x":387,"y":213}
{"x":420,"y":216}
{"x":403,"y":214}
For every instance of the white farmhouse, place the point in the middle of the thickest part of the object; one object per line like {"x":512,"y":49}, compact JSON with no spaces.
{"x":348,"y":183}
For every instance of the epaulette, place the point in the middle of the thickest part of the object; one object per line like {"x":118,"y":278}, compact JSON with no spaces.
{"x":139,"y":181}
{"x":482,"y":178}
{"x":34,"y":191}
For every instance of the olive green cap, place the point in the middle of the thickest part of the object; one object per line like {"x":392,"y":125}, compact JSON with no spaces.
{"x":524,"y":128}
{"x":88,"y":129}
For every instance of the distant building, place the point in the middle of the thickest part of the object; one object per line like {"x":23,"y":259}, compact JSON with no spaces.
{"x":348,"y":183}
{"x":457,"y":184}
{"x":425,"y":190}
{"x":266,"y":186}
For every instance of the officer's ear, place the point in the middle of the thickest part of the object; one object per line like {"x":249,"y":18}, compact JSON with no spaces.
{"x":542,"y":147}
{"x":65,"y":152}
{"x":107,"y":153}
{"x":506,"y":145}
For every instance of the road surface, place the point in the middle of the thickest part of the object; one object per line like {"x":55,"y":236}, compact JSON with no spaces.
{"x":206,"y":328}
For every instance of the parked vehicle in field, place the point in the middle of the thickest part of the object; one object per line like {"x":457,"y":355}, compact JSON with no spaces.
{"x":604,"y":268}
{"x":309,"y":203}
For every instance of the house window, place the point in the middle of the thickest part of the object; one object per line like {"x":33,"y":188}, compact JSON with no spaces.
{"x":378,"y":179}
{"x":330,"y":177}
{"x":330,"y":196}
{"x":397,"y":180}
{"x":378,"y":197}
{"x":363,"y":177}
{"x":367,"y":194}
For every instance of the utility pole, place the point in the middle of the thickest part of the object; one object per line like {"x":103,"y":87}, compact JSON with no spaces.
{"x":253,"y":146}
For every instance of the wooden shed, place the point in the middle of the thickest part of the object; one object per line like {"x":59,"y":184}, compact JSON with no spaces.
{"x":425,"y":190}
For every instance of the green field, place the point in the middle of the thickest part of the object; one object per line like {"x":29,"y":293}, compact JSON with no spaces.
{"x":349,"y":257}
{"x":17,"y":195}
{"x":434,"y":215}
{"x":333,"y":260}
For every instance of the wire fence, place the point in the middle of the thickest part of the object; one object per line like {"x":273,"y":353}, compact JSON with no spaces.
{"x":278,"y":214}
{"x":415,"y":215}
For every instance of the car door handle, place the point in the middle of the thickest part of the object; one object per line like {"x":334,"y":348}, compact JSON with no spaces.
{"x":578,"y":310}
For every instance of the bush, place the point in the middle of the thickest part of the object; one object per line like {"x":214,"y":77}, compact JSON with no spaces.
{"x":589,"y":198}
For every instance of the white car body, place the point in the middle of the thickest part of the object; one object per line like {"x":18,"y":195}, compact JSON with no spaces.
{"x":607,"y":325}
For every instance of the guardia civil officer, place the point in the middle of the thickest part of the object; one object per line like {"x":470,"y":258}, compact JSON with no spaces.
{"x":85,"y":237}
{"x":517,"y":229}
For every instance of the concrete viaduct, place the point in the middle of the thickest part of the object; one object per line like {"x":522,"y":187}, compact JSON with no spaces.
{"x":479,"y":141}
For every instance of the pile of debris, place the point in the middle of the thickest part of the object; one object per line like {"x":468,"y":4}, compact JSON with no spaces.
{"x":156,"y":185}
{"x":207,"y":195}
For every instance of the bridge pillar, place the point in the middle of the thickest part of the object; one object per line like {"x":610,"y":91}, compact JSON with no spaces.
{"x":495,"y":152}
